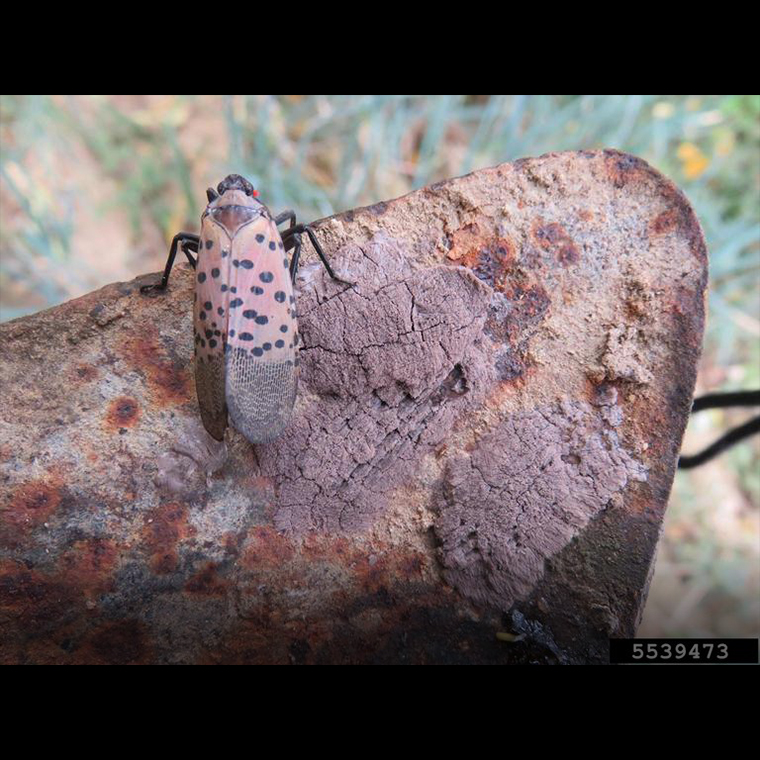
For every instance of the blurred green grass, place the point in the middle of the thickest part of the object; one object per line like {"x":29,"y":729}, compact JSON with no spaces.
{"x":93,"y":187}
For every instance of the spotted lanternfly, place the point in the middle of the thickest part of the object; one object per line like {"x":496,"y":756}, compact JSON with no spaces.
{"x":246,"y":332}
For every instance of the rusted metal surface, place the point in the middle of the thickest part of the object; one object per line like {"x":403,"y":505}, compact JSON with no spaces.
{"x":484,"y":442}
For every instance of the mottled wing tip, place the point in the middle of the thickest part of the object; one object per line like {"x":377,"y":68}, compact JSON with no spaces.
{"x":260,"y":395}
{"x":235,"y":182}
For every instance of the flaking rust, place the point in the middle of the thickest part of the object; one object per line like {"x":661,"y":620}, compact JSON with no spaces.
{"x":475,"y":469}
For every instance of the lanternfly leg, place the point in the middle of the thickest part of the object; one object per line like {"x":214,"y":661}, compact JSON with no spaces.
{"x":188,"y":242}
{"x":293,"y":242}
{"x":188,"y":246}
{"x":291,"y":237}
{"x":284,"y":216}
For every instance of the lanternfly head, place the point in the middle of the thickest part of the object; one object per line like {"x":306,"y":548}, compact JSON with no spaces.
{"x":236,"y":182}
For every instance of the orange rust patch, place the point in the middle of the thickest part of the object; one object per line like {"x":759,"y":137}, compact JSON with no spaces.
{"x":169,"y":381}
{"x":88,"y":566}
{"x":637,"y":500}
{"x":665,"y":222}
{"x":32,"y":504}
{"x":513,"y":379}
{"x":207,"y":582}
{"x":332,"y":548}
{"x":463,"y":241}
{"x":623,"y":168}
{"x":267,"y":547}
{"x":164,"y":528}
{"x":489,"y":256}
{"x":123,"y":412}
{"x":638,"y":302}
{"x":528,"y":302}
{"x":528,"y":305}
{"x":553,"y":239}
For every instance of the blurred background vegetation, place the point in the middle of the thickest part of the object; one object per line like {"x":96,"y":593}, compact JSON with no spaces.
{"x":92,"y":189}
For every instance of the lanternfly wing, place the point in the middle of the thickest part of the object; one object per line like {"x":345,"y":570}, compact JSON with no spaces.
{"x":262,"y":337}
{"x":210,"y":322}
